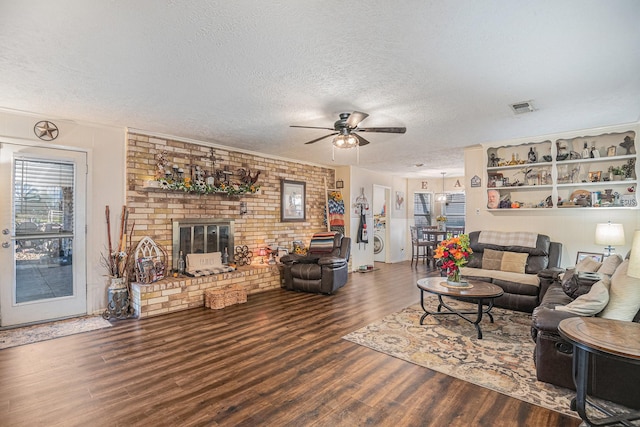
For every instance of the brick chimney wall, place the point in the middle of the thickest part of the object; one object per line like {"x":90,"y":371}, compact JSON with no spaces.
{"x":152,"y":209}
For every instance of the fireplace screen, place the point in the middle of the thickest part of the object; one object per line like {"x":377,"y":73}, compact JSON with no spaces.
{"x":199,"y":236}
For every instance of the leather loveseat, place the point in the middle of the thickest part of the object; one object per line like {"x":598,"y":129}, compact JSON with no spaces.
{"x":489,"y":262}
{"x":325,"y":267}
{"x":611,"y":380}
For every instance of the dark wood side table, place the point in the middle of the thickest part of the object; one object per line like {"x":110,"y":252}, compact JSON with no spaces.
{"x":609,"y":338}
{"x":481,"y":292}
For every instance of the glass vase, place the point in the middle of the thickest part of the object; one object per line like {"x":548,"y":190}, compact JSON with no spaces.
{"x":453,"y":279}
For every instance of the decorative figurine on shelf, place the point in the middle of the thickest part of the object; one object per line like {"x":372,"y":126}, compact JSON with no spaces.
{"x":161,"y":162}
{"x":493,"y":160}
{"x":594,"y":152}
{"x":627,"y":144}
{"x":562,"y":149}
{"x":585,"y":152}
{"x":246,"y":178}
{"x":532,"y":157}
{"x":513,"y":161}
{"x":629,"y":168}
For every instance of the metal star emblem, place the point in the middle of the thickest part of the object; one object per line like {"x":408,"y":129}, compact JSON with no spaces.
{"x":45,"y":130}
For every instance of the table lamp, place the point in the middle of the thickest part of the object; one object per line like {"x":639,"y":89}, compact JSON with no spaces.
{"x":609,"y":234}
{"x":634,"y":257}
{"x":262,"y":252}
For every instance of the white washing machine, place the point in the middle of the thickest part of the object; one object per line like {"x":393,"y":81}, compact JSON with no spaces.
{"x":379,"y":253}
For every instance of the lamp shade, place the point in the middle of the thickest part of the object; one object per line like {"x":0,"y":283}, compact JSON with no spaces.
{"x":262,"y":252}
{"x":609,"y":234}
{"x":634,"y":258}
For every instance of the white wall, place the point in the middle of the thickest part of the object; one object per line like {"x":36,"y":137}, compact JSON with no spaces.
{"x":105,"y":147}
{"x":574,"y":228}
{"x":358,"y":179}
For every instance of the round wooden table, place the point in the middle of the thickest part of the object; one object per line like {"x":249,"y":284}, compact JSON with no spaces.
{"x":481,"y":292}
{"x":609,"y":338}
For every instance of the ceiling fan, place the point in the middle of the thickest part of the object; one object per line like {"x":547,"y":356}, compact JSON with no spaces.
{"x":346,"y":129}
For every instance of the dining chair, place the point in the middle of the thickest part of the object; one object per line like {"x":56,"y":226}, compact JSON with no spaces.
{"x":419,"y":247}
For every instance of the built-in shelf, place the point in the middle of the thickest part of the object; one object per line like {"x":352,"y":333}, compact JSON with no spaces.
{"x":546,"y":175}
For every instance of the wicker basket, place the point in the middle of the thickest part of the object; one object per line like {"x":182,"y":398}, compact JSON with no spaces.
{"x":216,"y":299}
{"x":230,"y":297}
{"x":241,"y":294}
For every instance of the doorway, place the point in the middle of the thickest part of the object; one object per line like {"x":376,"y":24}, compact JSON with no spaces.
{"x":381,"y":222}
{"x":42,"y":245}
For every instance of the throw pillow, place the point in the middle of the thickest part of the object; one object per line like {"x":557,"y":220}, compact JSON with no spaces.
{"x":590,"y":303}
{"x":491,"y":259}
{"x":203,"y":261}
{"x":610,"y":264}
{"x":624,"y":295}
{"x":588,"y":264}
{"x":573,"y":286}
{"x":514,"y":262}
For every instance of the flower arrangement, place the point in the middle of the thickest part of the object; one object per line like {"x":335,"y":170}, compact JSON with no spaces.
{"x":335,"y":196}
{"x":454,"y":253}
{"x":199,"y":187}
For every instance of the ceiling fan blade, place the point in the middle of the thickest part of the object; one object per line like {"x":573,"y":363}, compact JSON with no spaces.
{"x":311,"y":127}
{"x":361,"y":140}
{"x":322,"y":137}
{"x":355,"y":118}
{"x":383,"y":130}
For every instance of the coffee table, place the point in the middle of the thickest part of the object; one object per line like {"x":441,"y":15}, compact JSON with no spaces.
{"x":481,"y":292}
{"x":609,"y":338}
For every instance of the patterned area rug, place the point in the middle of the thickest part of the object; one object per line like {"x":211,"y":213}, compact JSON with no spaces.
{"x":46,"y":331}
{"x":502,"y":360}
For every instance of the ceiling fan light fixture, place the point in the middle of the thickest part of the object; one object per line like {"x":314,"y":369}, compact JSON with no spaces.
{"x":345,"y":141}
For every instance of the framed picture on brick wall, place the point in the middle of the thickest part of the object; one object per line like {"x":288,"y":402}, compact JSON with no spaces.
{"x":292,"y":201}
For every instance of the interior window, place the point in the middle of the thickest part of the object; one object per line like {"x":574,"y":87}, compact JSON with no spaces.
{"x":422,"y":208}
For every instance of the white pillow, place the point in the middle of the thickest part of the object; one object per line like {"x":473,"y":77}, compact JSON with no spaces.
{"x":624,"y":295}
{"x":610,"y":264}
{"x":590,"y":303}
{"x":588,"y":264}
{"x":203,"y":261}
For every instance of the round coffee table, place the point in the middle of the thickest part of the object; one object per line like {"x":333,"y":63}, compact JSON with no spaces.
{"x":481,"y":292}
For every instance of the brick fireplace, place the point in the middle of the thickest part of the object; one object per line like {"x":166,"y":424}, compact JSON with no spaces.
{"x":154,"y":209}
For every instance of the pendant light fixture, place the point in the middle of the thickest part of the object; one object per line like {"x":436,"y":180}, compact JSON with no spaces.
{"x":442,"y":197}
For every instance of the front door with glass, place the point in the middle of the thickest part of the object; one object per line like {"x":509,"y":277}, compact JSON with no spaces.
{"x":42,"y":221}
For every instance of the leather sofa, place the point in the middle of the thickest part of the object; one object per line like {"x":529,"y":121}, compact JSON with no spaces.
{"x":522,"y":291}
{"x":610,"y":380}
{"x":325,"y":267}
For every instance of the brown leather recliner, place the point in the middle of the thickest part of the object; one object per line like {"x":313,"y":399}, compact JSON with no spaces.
{"x":610,"y":379}
{"x":325,"y":267}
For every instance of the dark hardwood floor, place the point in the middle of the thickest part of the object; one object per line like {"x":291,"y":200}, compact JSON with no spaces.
{"x":277,"y":360}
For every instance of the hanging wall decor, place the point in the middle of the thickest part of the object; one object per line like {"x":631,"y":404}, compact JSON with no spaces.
{"x":46,"y":130}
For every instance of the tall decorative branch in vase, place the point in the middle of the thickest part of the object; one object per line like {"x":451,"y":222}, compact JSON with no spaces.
{"x":119,"y":259}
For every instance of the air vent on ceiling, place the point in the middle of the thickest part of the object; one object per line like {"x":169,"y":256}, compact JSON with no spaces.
{"x":522,"y":107}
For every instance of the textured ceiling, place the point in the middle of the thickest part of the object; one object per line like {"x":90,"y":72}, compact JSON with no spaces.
{"x":238,"y":73}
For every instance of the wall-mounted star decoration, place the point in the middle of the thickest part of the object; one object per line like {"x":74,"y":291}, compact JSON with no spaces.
{"x":45,"y":130}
